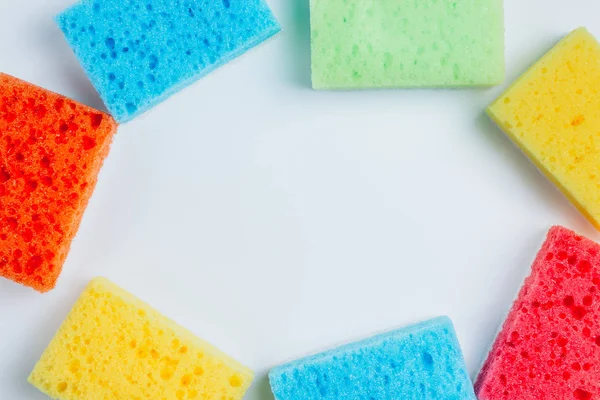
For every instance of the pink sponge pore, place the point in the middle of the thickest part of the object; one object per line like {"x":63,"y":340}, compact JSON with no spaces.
{"x":549,"y":346}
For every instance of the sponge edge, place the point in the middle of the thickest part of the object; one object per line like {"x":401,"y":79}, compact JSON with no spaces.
{"x":550,"y":112}
{"x":406,"y":43}
{"x":113,"y":345}
{"x":423,"y":361}
{"x":137,"y":53}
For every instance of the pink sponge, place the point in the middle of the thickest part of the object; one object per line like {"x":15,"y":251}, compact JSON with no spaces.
{"x":549,"y":346}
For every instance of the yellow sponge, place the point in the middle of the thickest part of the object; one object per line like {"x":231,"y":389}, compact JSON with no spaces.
{"x":553,"y":113}
{"x":114,"y":346}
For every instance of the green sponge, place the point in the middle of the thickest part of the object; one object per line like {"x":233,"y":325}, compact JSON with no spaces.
{"x":406,"y":43}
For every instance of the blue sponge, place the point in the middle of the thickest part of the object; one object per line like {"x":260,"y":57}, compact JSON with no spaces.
{"x":421,"y":362}
{"x":139,"y":52}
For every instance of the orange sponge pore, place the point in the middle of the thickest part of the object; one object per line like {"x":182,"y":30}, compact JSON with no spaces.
{"x":51,"y":150}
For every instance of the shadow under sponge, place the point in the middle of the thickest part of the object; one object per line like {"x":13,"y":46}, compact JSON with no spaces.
{"x":114,"y":346}
{"x":549,"y":346}
{"x":51,"y":151}
{"x":420,"y":362}
{"x":406,"y":43}
{"x":139,"y":52}
{"x":551,"y":113}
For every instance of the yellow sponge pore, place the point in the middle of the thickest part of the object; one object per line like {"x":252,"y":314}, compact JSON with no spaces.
{"x":551,"y":112}
{"x":114,"y":346}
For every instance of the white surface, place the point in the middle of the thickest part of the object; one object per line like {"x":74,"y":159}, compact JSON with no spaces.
{"x":275,"y":221}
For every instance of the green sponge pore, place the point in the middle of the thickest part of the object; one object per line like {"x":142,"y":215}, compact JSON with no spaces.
{"x":406,"y":43}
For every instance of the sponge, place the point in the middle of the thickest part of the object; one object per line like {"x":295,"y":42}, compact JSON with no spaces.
{"x":551,"y":112}
{"x":406,"y":43}
{"x":139,"y":52}
{"x":114,"y":346}
{"x":51,"y":151}
{"x":549,"y":346}
{"x":420,"y":362}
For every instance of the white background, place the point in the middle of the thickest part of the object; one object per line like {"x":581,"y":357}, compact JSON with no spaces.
{"x":275,"y":221}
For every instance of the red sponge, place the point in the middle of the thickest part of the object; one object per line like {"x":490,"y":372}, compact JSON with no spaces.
{"x":549,"y":346}
{"x":51,"y":150}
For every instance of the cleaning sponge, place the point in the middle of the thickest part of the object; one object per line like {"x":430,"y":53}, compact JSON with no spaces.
{"x":139,"y":52}
{"x":549,"y":346}
{"x":406,"y":43}
{"x":420,"y":362}
{"x":51,"y":151}
{"x":114,"y":346}
{"x":551,"y":112}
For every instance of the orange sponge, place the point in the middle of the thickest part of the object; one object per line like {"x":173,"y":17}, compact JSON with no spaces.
{"x":51,"y":150}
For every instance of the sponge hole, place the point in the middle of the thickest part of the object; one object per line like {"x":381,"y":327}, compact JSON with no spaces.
{"x":61,"y":387}
{"x":186,"y":380}
{"x":131,"y":108}
{"x":153,"y":61}
{"x":235,"y":381}
{"x":581,"y":394}
{"x":110,"y":43}
{"x":427,"y":360}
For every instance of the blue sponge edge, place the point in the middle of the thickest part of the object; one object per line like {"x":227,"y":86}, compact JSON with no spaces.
{"x":329,"y":354}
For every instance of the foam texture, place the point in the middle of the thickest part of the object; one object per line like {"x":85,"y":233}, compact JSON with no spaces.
{"x":420,"y":362}
{"x":551,"y":112}
{"x":114,"y":346}
{"x":139,"y":52}
{"x":549,"y":346}
{"x":406,"y":43}
{"x":51,"y":151}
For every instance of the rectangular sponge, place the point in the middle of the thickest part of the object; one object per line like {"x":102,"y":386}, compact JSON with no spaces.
{"x":421,"y":362}
{"x":551,"y":112}
{"x":114,"y":346}
{"x":51,"y":151}
{"x":139,"y":52}
{"x":406,"y":43}
{"x":549,"y":346}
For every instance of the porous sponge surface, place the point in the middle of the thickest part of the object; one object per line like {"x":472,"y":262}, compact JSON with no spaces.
{"x":139,"y":52}
{"x":51,"y":151}
{"x":551,"y":112}
{"x":420,"y":362}
{"x":549,"y":346}
{"x":406,"y":43}
{"x":114,"y":346}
